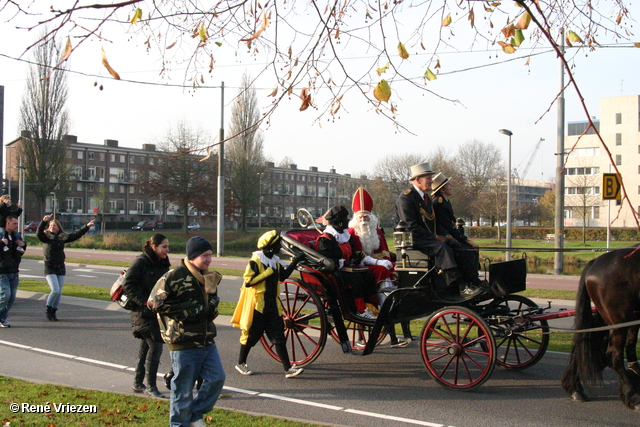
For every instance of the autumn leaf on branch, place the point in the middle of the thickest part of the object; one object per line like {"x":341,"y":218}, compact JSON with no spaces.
{"x":429,"y":75}
{"x":402,"y":51}
{"x":573,"y":37}
{"x":507,"y":48}
{"x":111,"y":71}
{"x":67,"y":50}
{"x":136,"y":16}
{"x":382,"y":91}
{"x":306,"y":98}
{"x":447,"y":21}
{"x":508,"y":31}
{"x":383,"y":69}
{"x":524,"y":21}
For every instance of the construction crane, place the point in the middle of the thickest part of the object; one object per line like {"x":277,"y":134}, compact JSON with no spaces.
{"x":529,"y":161}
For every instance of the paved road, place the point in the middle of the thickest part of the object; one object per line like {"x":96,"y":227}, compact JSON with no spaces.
{"x":91,"y":347}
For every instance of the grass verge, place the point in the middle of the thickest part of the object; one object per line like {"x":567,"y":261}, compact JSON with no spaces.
{"x":111,"y":409}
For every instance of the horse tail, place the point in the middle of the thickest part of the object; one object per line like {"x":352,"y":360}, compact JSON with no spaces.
{"x":586,"y":358}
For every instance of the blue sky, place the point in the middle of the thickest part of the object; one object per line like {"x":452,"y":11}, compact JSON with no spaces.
{"x":508,"y":95}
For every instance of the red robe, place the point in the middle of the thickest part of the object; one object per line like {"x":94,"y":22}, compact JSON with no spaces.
{"x":379,"y":271}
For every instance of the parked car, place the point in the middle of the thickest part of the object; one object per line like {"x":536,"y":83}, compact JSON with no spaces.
{"x":144,"y":226}
{"x":194,"y":226}
{"x":31,"y":226}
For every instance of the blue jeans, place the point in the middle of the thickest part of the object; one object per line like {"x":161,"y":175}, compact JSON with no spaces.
{"x":16,"y":233}
{"x":189,"y":365}
{"x":56,"y":283}
{"x":8,"y":290}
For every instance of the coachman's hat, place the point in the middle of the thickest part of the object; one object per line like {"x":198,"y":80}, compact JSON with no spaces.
{"x":419,"y":170}
{"x":439,"y":181}
{"x":362,"y":201}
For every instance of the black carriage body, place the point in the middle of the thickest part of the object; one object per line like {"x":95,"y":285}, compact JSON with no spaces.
{"x":492,"y":316}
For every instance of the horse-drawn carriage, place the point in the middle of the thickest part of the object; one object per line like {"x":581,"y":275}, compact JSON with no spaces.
{"x":462,"y":339}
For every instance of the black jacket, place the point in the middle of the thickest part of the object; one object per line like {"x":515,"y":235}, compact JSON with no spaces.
{"x":53,"y":247}
{"x":140,"y":279}
{"x":10,"y":260}
{"x":446,"y":218}
{"x":419,"y":216}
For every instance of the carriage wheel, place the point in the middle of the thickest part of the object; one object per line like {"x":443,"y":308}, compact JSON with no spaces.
{"x":519,"y":343}
{"x":458,"y":348}
{"x":305,"y":324}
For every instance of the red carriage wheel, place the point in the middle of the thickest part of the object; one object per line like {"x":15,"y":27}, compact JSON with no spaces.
{"x":305,"y":324}
{"x":520,"y":343}
{"x":458,"y":348}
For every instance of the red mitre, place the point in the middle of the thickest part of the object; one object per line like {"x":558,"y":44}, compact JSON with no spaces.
{"x":362,"y":201}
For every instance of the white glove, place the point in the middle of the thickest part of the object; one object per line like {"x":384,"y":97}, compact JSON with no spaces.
{"x":340,"y":263}
{"x":385,"y":263}
{"x":367,"y":260}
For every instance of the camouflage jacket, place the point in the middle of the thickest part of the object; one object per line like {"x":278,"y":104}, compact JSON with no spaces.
{"x":184,"y":313}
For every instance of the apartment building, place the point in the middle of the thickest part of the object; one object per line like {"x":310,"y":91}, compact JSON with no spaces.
{"x":619,"y":126}
{"x":101,"y":175}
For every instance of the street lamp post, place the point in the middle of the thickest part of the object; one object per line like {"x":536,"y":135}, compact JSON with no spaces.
{"x":508,"y":254}
{"x":21,"y":193}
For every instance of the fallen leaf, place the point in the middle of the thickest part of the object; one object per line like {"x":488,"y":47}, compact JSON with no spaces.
{"x":402,"y":51}
{"x":382,"y":92}
{"x":105,"y":62}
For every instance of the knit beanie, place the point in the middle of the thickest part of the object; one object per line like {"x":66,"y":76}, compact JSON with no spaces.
{"x":196,"y":246}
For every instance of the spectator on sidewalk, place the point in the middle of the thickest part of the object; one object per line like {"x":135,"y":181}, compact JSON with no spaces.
{"x":186,"y":301}
{"x":9,"y":268}
{"x":140,"y":279}
{"x":53,"y":239}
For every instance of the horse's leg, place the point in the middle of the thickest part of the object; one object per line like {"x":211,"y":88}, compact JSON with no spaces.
{"x":617,"y":343}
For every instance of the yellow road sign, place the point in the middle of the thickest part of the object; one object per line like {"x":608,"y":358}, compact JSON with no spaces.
{"x":610,"y":186}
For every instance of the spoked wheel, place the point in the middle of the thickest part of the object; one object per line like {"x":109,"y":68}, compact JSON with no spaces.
{"x":520,"y":343}
{"x":458,"y":348}
{"x":358,"y":335}
{"x":305,"y":324}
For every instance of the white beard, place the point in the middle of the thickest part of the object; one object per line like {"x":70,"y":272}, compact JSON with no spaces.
{"x":366,"y":232}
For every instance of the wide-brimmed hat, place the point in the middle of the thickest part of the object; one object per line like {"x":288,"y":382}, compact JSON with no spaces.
{"x":439,"y":181}
{"x":419,"y":170}
{"x":362,"y":201}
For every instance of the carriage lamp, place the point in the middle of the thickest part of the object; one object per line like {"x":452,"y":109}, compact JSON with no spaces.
{"x":402,"y":239}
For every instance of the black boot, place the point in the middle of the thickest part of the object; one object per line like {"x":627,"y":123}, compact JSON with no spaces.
{"x":152,"y":376}
{"x":53,"y":314}
{"x":49,"y":316}
{"x":138,"y":386}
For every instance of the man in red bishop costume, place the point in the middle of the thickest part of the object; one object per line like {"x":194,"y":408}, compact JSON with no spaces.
{"x":368,"y":238}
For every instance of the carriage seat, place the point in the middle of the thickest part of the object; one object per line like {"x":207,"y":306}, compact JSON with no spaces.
{"x":303,"y":240}
{"x":416,"y":259}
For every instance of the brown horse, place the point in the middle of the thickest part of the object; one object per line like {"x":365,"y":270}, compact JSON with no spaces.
{"x":612,"y":282}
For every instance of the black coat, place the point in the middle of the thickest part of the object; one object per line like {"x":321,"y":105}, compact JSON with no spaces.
{"x":10,"y":260}
{"x":53,"y":247}
{"x":446,"y":218}
{"x":140,"y":279}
